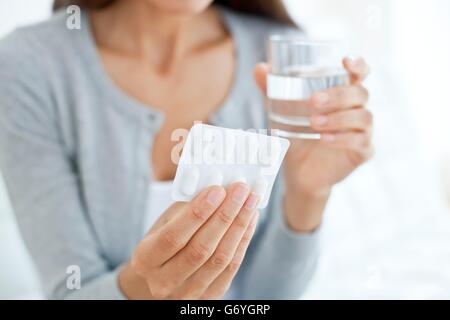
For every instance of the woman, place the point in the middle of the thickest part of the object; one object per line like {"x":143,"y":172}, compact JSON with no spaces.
{"x":87,"y":117}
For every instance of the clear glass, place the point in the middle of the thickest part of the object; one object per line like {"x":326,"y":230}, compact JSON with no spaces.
{"x":300,"y":68}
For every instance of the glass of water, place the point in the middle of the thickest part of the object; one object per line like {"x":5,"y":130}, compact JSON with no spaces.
{"x":299,"y":68}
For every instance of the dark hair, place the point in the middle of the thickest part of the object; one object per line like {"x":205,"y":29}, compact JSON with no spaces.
{"x":273,"y":9}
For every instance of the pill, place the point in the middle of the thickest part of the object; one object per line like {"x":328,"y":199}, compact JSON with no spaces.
{"x":189,"y":183}
{"x":215,"y":178}
{"x":260,"y":187}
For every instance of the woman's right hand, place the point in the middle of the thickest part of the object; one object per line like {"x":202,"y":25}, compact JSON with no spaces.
{"x":195,"y":249}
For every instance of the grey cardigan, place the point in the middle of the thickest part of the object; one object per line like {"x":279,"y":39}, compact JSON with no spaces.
{"x":74,"y":152}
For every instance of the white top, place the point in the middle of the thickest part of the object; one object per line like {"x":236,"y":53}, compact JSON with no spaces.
{"x":158,"y":201}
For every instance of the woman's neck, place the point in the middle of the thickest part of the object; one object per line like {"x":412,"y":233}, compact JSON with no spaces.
{"x":136,"y":28}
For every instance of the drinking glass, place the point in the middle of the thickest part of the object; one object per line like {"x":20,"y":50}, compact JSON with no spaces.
{"x":299,"y":68}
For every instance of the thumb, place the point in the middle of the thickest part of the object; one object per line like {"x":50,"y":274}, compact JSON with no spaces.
{"x":260,"y":74}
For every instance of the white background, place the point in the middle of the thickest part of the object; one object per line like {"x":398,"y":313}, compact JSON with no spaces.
{"x":387,"y":229}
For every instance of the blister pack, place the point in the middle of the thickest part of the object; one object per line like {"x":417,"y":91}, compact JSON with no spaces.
{"x":221,"y":156}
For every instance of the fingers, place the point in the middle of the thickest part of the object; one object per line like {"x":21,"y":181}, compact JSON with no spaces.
{"x":168,"y":215}
{"x":342,"y":120}
{"x":359,"y":142}
{"x":204,"y":243}
{"x":260,"y":74}
{"x":353,"y":119}
{"x":343,"y":97}
{"x":357,"y":68}
{"x":340,"y":98}
{"x":222,"y":283}
{"x":158,"y":247}
{"x":197,"y":284}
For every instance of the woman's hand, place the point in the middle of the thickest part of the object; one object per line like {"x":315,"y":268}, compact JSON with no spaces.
{"x":195,"y":249}
{"x":313,"y":167}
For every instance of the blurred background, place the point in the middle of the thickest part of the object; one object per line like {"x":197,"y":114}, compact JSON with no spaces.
{"x":387,"y":229}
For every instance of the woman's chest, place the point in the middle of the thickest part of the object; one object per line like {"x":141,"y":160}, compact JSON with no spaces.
{"x":186,"y":92}
{"x":185,"y":88}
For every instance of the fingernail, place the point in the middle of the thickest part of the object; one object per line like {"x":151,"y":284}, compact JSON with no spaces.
{"x":240,"y":193}
{"x":252,"y":201}
{"x":322,"y":99}
{"x":319,"y":120}
{"x":329,"y":137}
{"x":215,"y":196}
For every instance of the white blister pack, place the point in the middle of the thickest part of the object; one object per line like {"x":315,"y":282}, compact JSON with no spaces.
{"x":221,"y":156}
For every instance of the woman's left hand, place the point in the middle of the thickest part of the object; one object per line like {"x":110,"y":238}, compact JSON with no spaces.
{"x":313,"y":167}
